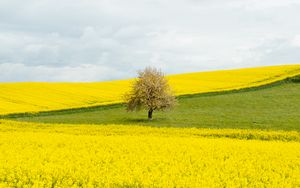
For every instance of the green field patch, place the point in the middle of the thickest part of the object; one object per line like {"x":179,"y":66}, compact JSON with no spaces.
{"x":274,"y":107}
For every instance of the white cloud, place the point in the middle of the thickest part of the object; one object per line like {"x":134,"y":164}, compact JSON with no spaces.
{"x":77,"y":40}
{"x":82,"y":73}
{"x":296,"y":41}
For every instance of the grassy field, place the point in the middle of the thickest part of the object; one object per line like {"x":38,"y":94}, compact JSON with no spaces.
{"x":273,"y":107}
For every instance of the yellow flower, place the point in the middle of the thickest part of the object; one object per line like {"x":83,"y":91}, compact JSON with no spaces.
{"x":46,"y":155}
{"x":36,"y":97}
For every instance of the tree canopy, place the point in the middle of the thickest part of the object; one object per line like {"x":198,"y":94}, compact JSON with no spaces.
{"x":150,"y":91}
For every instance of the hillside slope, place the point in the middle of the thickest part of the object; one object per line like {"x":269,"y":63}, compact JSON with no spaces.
{"x":273,"y":107}
{"x":36,"y":97}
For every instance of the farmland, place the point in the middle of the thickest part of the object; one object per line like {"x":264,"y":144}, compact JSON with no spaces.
{"x":36,"y":97}
{"x":272,"y":107}
{"x":55,"y":155}
{"x":236,"y":137}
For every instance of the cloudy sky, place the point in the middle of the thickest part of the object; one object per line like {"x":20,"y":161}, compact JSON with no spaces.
{"x":95,"y":40}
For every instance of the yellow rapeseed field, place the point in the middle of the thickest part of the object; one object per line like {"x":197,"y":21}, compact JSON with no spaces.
{"x":56,"y":155}
{"x":35,"y":97}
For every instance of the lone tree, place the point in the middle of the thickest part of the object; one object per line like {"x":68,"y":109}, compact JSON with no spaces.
{"x":150,"y":91}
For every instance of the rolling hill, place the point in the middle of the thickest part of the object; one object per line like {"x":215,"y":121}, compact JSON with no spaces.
{"x":237,"y":128}
{"x":36,"y":97}
{"x":273,"y":107}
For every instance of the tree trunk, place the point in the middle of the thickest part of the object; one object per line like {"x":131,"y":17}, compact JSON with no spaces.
{"x":150,"y":114}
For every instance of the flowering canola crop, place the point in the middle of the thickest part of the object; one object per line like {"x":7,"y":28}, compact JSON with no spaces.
{"x":36,"y":97}
{"x":53,"y":155}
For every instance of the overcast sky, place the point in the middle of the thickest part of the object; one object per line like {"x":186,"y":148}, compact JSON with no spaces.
{"x":95,"y":40}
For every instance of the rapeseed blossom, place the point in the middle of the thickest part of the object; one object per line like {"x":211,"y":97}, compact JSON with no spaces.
{"x":62,"y":155}
{"x":36,"y":97}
